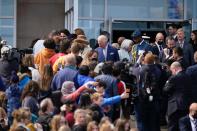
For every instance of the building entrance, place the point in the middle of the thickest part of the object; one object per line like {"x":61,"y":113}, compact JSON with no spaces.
{"x":148,"y":27}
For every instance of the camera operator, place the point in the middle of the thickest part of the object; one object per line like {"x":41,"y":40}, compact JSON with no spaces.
{"x":127,"y":83}
{"x":8,"y":63}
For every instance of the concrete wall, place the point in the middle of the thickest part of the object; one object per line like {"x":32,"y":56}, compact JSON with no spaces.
{"x":36,"y":18}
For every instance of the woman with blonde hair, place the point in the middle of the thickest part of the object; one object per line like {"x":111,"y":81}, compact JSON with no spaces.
{"x":92,"y":126}
{"x":22,"y":117}
{"x":122,"y":125}
{"x":89,"y":57}
{"x":106,"y":126}
{"x":57,"y":121}
{"x":45,"y":83}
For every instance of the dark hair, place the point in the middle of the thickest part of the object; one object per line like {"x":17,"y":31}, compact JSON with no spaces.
{"x":31,"y":89}
{"x":79,"y":60}
{"x":174,"y":26}
{"x":84,"y":70}
{"x":101,"y":84}
{"x":49,"y":43}
{"x":84,"y":101}
{"x":178,"y":50}
{"x":195,"y":41}
{"x":65,"y":31}
{"x":33,"y":42}
{"x":64,"y":45}
{"x":107,"y":68}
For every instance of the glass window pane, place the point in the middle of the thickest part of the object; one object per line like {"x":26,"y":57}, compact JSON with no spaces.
{"x":135,"y":9}
{"x":6,"y":22}
{"x":84,"y":8}
{"x":91,"y":28}
{"x":91,"y":8}
{"x":6,"y":7}
{"x":7,"y":34}
{"x":98,"y":8}
{"x":175,"y":9}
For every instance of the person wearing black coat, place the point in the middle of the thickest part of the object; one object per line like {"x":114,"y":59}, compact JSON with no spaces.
{"x":178,"y":89}
{"x":188,"y":122}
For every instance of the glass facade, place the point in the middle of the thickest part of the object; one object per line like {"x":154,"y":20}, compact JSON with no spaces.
{"x":7,"y":20}
{"x":137,"y":9}
{"x":96,"y":15}
{"x":90,"y":11}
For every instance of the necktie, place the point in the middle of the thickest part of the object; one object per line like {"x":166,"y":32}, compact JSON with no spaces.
{"x":195,"y":124}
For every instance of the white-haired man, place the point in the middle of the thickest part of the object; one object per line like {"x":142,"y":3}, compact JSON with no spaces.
{"x":105,"y":51}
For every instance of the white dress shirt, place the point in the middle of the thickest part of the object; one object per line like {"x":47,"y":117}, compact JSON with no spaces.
{"x":192,"y":123}
{"x":105,"y":51}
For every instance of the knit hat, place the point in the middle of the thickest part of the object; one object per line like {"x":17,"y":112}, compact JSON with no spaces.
{"x":68,"y":87}
{"x":14,"y":78}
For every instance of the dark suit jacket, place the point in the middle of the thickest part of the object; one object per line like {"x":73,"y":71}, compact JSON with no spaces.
{"x":192,"y":72}
{"x":188,"y":53}
{"x":184,"y":124}
{"x":112,"y":54}
{"x":183,"y":63}
{"x":155,"y":49}
{"x":178,"y":88}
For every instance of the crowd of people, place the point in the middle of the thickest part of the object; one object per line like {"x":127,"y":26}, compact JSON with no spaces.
{"x":65,"y":83}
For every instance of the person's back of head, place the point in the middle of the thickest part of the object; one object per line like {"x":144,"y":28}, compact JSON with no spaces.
{"x":107,"y":68}
{"x":79,"y":31}
{"x":193,"y":110}
{"x":120,"y":124}
{"x":75,"y":48}
{"x":31,"y":89}
{"x":149,"y":59}
{"x":49,"y":44}
{"x":46,"y":105}
{"x":70,"y":60}
{"x":65,"y":45}
{"x":64,"y":128}
{"x":84,"y":70}
{"x":84,"y":101}
{"x":106,"y":126}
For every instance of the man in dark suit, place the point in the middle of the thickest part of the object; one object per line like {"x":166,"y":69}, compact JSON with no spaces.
{"x":189,"y":122}
{"x":192,"y":72}
{"x":188,"y":52}
{"x":159,"y":45}
{"x":179,"y":90}
{"x":105,"y":51}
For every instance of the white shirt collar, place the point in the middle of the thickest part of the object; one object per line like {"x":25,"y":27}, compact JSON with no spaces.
{"x":192,"y":123}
